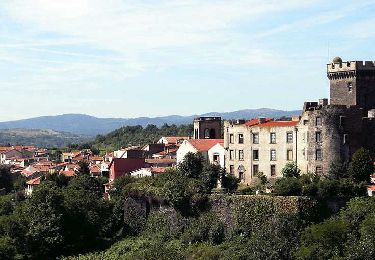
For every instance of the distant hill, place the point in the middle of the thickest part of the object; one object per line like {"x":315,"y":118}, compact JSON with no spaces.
{"x":81,"y":124}
{"x":39,"y":138}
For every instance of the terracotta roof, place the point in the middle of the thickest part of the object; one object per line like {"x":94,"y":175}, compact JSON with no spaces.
{"x":175,"y":139}
{"x":371,"y":187}
{"x":35,"y":181}
{"x":95,"y":169}
{"x":96,"y":158}
{"x":253,"y":122}
{"x":204,"y":144}
{"x":161,"y":160}
{"x":68,"y":173}
{"x":279,"y":123}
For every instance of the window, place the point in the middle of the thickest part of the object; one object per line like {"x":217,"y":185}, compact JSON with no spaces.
{"x":240,"y":138}
{"x":216,"y":158}
{"x":305,"y":122}
{"x":319,"y":170}
{"x":273,"y":155}
{"x":255,"y":138}
{"x":350,"y":87}
{"x":273,"y":138}
{"x":231,"y":155}
{"x":273,"y":170}
{"x":231,"y":138}
{"x":240,"y":155}
{"x":289,"y":137}
{"x":318,"y":154}
{"x":255,"y":169}
{"x":206,"y":133}
{"x":255,"y":155}
{"x":196,"y":134}
{"x":231,"y":169}
{"x":289,"y":155}
{"x":241,"y":171}
{"x":318,"y":137}
{"x":318,"y":121}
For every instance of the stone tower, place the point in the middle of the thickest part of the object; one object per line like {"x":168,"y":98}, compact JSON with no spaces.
{"x":207,"y":128}
{"x":352,"y":83}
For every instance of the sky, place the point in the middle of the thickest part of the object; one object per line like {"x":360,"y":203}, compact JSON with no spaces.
{"x":131,"y":58}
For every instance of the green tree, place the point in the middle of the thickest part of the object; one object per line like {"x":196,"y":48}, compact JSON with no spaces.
{"x":6,"y":182}
{"x":229,"y":182}
{"x":291,"y":170}
{"x":288,"y":186}
{"x":84,"y":168}
{"x":192,"y":165}
{"x":362,"y":166}
{"x":210,"y":175}
{"x":41,"y":218}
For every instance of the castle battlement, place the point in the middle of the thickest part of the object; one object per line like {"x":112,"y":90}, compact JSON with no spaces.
{"x":338,"y":65}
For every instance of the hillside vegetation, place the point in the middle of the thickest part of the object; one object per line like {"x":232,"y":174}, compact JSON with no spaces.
{"x":138,"y":135}
{"x":39,"y":137}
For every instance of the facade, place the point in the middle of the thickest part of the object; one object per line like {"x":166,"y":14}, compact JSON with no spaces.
{"x":327,"y":132}
{"x":197,"y":146}
{"x":207,"y":128}
{"x":260,"y":145}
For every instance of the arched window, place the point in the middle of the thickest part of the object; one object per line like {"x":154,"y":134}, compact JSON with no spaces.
{"x":206,"y":133}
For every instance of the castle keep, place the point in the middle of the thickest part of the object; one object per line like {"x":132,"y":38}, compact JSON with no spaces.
{"x":327,"y":132}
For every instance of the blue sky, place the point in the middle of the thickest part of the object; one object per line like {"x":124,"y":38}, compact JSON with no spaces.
{"x":119,"y":58}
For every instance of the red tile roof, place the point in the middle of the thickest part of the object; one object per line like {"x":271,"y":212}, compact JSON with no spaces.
{"x":256,"y":121}
{"x":35,"y":181}
{"x":68,"y":173}
{"x":371,"y":187}
{"x":175,"y":139}
{"x":279,"y":124}
{"x":205,"y":144}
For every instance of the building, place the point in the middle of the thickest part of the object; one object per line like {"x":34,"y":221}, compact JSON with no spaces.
{"x":327,"y":132}
{"x":207,"y":128}
{"x":259,"y":145}
{"x":197,"y":146}
{"x":121,"y":166}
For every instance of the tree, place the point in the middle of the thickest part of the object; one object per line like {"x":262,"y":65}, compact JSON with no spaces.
{"x":210,"y":175}
{"x":291,"y":170}
{"x":362,"y":166}
{"x":84,"y":168}
{"x":337,"y":171}
{"x":288,"y":186}
{"x":229,"y":182}
{"x":192,"y":165}
{"x":41,"y":218}
{"x":5,"y":179}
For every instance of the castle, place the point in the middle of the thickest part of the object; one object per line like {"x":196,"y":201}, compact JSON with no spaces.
{"x":327,"y":132}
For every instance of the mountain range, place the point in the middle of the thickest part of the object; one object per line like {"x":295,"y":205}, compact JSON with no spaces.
{"x":81,"y":124}
{"x":39,"y":138}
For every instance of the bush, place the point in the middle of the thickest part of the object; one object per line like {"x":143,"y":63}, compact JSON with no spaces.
{"x":288,"y":186}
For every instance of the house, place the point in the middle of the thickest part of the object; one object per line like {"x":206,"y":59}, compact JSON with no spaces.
{"x":95,"y":170}
{"x":172,"y":140}
{"x":216,"y":155}
{"x":371,"y":190}
{"x":162,"y":162}
{"x":31,"y":184}
{"x":197,"y":145}
{"x":121,"y":166}
{"x":129,"y":152}
{"x":147,"y":172}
